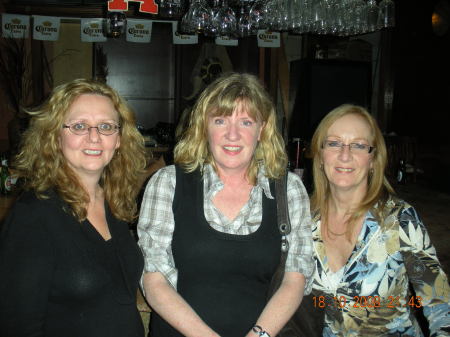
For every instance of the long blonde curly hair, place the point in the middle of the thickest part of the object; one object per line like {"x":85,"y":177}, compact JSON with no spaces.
{"x":221,"y":98}
{"x":42,"y":165}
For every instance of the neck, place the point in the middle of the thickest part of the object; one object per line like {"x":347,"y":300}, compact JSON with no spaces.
{"x":343,"y":202}
{"x":92,"y":187}
{"x":238,"y":178}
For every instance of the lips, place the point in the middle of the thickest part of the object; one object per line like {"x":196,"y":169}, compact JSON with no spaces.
{"x":344,"y":170}
{"x":232,"y":148}
{"x":92,"y":152}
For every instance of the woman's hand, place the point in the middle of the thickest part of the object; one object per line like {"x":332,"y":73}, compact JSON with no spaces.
{"x":164,"y":299}
{"x":282,"y":305}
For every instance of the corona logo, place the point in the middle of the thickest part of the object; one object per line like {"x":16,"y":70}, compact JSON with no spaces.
{"x":44,"y":29}
{"x":146,"y":6}
{"x":182,"y":36}
{"x":15,"y":26}
{"x":94,"y":28}
{"x":139,"y":26}
{"x":16,"y":21}
{"x":267,"y":36}
{"x":136,"y":31}
{"x":47,"y":24}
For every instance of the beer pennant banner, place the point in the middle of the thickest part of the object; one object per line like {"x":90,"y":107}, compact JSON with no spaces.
{"x":181,"y":38}
{"x":268,"y":39}
{"x":46,"y":28}
{"x":226,"y":41}
{"x":15,"y":26}
{"x":92,"y":30}
{"x":139,"y":30}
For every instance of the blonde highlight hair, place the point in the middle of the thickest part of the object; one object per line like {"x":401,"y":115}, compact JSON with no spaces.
{"x":378,"y":187}
{"x":221,"y":98}
{"x":42,"y":165}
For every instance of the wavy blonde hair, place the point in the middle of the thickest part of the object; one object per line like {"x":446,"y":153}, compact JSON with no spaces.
{"x":221,"y":98}
{"x":43,"y":166}
{"x":378,"y":187}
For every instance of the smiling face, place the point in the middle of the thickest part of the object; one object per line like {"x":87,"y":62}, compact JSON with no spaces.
{"x":345,"y":169}
{"x":89,"y":154}
{"x":233,"y":139}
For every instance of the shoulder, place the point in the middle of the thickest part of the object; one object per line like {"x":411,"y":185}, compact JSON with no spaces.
{"x":400,"y":212}
{"x":31,"y":216}
{"x":165,"y":173}
{"x":295,"y":185}
{"x":28,"y":203}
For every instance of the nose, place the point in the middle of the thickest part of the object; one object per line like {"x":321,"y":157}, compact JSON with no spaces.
{"x":345,"y":153}
{"x":233,"y":131}
{"x":94,"y":134}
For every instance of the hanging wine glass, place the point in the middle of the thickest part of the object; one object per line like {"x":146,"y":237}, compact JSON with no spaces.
{"x":372,"y":15}
{"x":296,"y":15}
{"x":284,"y":14}
{"x":335,"y":22}
{"x":257,"y":15}
{"x":170,"y":8}
{"x":197,"y":18}
{"x":212,"y":29}
{"x":359,"y":16}
{"x":317,"y":16}
{"x":225,"y":20}
{"x":271,"y":15}
{"x":386,"y":18}
{"x":244,"y":25}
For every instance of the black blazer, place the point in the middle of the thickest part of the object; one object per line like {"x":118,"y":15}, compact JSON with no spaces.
{"x":59,"y":277}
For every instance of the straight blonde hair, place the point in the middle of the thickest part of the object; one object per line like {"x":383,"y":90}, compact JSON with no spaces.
{"x":221,"y":98}
{"x":378,"y":187}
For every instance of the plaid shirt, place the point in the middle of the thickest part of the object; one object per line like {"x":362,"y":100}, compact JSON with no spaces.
{"x":156,"y":221}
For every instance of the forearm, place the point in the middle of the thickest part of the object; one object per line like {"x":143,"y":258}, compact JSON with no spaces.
{"x":164,"y":299}
{"x":282,"y":305}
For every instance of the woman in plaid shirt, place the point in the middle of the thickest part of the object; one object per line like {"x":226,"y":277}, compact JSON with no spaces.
{"x":208,"y":225}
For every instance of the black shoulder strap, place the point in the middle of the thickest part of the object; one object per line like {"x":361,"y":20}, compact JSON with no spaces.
{"x":284,"y":224}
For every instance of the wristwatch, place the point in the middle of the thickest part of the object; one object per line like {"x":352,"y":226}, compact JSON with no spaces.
{"x":259,"y":331}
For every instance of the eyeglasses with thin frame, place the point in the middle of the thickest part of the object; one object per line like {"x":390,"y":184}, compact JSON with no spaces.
{"x":80,"y":128}
{"x":336,"y":145}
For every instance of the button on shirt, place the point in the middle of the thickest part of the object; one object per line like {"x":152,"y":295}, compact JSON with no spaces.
{"x":156,"y":221}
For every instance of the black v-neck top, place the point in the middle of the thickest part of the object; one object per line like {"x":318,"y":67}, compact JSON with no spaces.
{"x":59,"y":277}
{"x":224,"y":277}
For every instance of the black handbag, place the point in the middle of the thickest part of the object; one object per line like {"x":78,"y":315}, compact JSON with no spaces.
{"x":308,"y":320}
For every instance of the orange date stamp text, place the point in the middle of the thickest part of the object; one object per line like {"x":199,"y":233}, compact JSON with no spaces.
{"x":363,"y":302}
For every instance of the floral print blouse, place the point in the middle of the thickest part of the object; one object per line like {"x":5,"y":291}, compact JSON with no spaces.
{"x":373,"y":297}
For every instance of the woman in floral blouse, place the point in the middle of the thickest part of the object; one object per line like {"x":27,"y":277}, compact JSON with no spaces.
{"x":369,"y":245}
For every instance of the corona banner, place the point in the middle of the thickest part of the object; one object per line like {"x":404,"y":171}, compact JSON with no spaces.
{"x":139,"y":30}
{"x":15,"y":26}
{"x":46,"y":28}
{"x":92,"y":30}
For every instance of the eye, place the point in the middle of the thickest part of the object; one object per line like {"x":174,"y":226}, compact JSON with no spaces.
{"x":358,"y":146}
{"x":106,"y":126}
{"x":219,"y":121}
{"x":247,"y":122}
{"x":79,"y":126}
{"x":333,"y":143}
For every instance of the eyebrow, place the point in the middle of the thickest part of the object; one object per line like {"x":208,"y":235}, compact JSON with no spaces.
{"x":353,"y":140}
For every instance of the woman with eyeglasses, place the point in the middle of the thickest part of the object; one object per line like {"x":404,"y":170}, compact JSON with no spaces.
{"x":68,"y":264}
{"x":370,"y":246}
